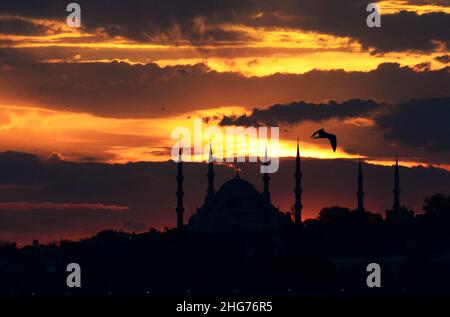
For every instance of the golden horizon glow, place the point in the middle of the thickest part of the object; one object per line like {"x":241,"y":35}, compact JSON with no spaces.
{"x":325,"y":61}
{"x":79,"y":135}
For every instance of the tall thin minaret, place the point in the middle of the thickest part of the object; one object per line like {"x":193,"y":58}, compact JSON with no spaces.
{"x":266,"y":179}
{"x":180,"y":193}
{"x":360,"y":193}
{"x":396,"y":190}
{"x":210,"y":191}
{"x":298,"y":188}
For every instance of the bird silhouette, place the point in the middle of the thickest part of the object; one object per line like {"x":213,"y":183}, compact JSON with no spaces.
{"x":322,"y":134}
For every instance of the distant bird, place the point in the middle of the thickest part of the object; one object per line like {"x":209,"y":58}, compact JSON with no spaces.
{"x":163,"y":108}
{"x":321,"y":134}
{"x":182,"y":71}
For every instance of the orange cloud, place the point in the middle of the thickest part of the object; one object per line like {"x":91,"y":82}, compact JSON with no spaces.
{"x":395,"y":6}
{"x":266,"y":51}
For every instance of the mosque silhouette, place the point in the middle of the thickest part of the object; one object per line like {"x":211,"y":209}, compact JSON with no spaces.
{"x":238,"y":203}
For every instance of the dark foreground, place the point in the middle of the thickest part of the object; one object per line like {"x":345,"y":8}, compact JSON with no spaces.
{"x":324,"y":257}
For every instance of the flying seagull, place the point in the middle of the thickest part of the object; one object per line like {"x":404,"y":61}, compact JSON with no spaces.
{"x":321,"y":134}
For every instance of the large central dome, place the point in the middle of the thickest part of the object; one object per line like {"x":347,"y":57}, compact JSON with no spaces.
{"x":237,"y":187}
{"x":236,"y":203}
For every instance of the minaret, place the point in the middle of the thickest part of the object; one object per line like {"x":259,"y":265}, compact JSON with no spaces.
{"x":210,"y":191}
{"x":266,"y":179}
{"x":396,"y":190}
{"x":180,"y":193}
{"x":298,"y":188}
{"x":360,"y":193}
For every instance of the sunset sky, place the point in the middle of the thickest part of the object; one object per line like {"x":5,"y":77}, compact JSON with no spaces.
{"x":112,"y":91}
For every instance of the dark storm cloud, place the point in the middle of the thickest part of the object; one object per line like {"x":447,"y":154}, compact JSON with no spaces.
{"x":16,"y":26}
{"x":444,"y":59}
{"x":140,"y":91}
{"x":300,"y":111}
{"x":399,"y":31}
{"x":146,"y":20}
{"x":148,"y":189}
{"x":170,"y":21}
{"x":10,"y":56}
{"x":418,"y":123}
{"x":407,"y":31}
{"x":422,"y":123}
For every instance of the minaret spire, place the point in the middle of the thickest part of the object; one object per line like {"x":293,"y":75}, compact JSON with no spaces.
{"x":396,"y":190}
{"x":180,"y":193}
{"x":298,"y":187}
{"x":266,"y":179}
{"x":210,"y":191}
{"x":360,"y":193}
